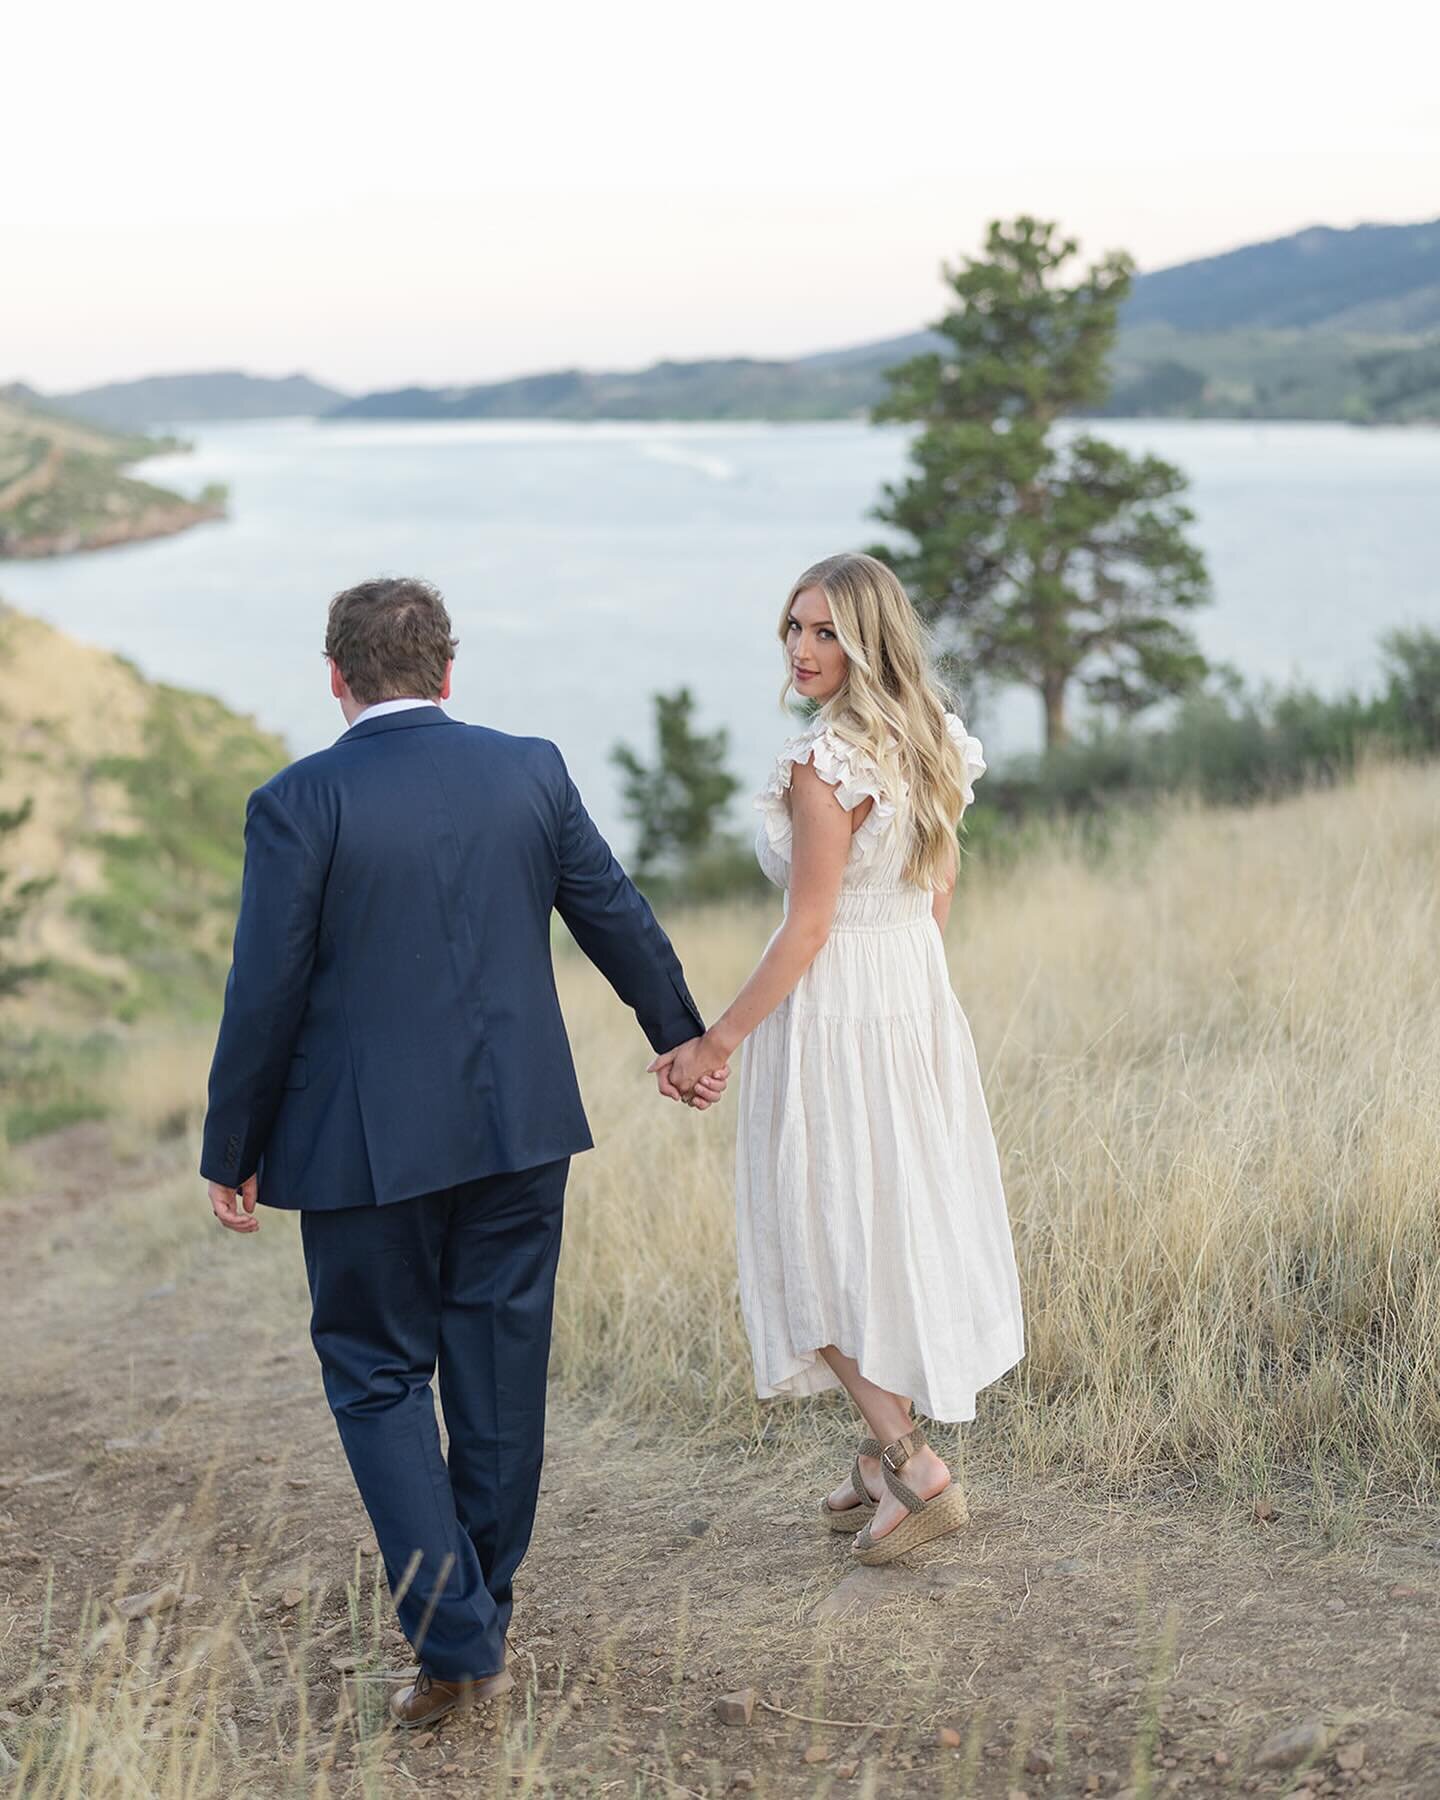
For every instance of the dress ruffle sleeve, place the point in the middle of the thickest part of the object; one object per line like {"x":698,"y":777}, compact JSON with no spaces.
{"x":971,"y":754}
{"x":848,"y":770}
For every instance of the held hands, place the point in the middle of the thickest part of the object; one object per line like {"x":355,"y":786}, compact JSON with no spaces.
{"x":695,"y":1073}
{"x":235,"y":1207}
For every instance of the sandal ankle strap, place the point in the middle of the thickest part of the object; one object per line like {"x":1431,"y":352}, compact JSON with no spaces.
{"x":868,"y":1447}
{"x":893,"y":1458}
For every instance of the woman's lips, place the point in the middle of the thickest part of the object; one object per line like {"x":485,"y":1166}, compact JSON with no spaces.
{"x":805,"y":674}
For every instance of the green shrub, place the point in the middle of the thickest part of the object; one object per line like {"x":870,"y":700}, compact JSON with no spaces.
{"x":1230,"y":743}
{"x":25,"y":1122}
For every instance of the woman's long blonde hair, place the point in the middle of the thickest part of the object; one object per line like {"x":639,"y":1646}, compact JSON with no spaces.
{"x":891,"y":706}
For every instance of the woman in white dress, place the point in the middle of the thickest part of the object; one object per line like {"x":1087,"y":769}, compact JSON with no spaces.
{"x":874,"y":1247}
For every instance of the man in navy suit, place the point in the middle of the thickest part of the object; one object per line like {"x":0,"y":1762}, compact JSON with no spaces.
{"x":392,"y":1063}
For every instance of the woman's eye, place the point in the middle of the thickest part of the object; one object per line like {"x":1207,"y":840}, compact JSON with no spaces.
{"x":827,"y":634}
{"x":794,"y":625}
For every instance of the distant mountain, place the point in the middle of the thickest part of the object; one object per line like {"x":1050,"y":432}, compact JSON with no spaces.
{"x":195,"y":399}
{"x":1375,"y":279}
{"x":736,"y":388}
{"x":883,"y":353}
{"x":18,"y":394}
{"x":1324,"y":324}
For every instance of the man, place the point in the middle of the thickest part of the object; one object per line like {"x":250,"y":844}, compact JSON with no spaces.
{"x":392,"y":1062}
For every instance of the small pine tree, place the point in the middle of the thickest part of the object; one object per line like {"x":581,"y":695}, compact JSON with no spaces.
{"x":1410,"y":706}
{"x":678,"y":804}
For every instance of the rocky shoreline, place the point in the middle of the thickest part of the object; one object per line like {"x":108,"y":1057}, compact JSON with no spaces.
{"x":160,"y":520}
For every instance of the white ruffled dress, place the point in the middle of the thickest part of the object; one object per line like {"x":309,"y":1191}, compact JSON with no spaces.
{"x":869,"y":1208}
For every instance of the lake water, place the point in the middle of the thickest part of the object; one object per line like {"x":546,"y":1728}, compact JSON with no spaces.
{"x":587,"y":566}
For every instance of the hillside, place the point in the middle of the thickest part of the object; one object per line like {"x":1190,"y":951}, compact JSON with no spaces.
{"x":137,"y":794}
{"x":64,"y":485}
{"x":196,"y":399}
{"x":734,"y":388}
{"x":1372,"y":279}
{"x":1323,"y":324}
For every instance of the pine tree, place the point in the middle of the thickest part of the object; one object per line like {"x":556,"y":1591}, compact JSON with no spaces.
{"x":1054,"y":561}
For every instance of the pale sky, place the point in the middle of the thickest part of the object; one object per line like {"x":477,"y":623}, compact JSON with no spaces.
{"x":455,"y":192}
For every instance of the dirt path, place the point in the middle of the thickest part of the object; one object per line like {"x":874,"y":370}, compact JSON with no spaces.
{"x":163,"y":1421}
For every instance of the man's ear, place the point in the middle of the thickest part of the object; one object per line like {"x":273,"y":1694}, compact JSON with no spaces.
{"x":337,"y":682}
{"x":445,"y":684}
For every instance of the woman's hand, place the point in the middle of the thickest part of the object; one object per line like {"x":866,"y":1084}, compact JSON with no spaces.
{"x":695,"y":1073}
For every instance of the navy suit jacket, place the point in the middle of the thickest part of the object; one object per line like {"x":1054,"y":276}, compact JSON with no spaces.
{"x":391,"y":1024}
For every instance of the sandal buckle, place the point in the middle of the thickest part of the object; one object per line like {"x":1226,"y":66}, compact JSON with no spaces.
{"x":888,"y":1461}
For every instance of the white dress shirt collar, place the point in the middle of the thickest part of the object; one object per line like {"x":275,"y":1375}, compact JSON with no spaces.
{"x":381,"y":707}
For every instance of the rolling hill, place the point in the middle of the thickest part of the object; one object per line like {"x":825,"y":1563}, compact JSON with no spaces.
{"x":194,"y":399}
{"x":1328,"y":324}
{"x":1373,"y":280}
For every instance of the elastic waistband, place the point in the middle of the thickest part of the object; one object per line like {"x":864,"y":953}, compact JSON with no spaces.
{"x":882,"y":909}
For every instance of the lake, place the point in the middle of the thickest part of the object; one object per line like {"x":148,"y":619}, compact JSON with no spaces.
{"x":587,"y":566}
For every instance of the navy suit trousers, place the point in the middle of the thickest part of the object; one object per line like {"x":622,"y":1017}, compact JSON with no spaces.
{"x":464,"y":1279}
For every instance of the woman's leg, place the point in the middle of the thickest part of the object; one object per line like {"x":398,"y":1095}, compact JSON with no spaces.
{"x":888,"y":1416}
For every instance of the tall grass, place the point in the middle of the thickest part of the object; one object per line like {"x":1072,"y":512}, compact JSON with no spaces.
{"x":1212,"y":1057}
{"x":1213,"y":1061}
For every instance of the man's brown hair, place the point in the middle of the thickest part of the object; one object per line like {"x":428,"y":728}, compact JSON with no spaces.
{"x":390,"y":638}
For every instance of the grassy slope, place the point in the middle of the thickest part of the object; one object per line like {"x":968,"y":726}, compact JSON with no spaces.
{"x":137,"y":792}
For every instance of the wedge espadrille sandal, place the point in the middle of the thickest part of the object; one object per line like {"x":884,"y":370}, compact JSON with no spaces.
{"x":927,"y":1519}
{"x":851,"y":1518}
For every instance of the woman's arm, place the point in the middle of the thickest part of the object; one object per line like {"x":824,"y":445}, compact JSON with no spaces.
{"x":822,"y":833}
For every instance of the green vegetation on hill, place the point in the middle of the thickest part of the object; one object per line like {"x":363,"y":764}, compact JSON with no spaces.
{"x":64,"y":486}
{"x":130,"y":799}
{"x":166,"y":905}
{"x":1159,"y":371}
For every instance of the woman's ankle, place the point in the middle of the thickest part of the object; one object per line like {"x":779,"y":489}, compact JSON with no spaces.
{"x":926,"y":1469}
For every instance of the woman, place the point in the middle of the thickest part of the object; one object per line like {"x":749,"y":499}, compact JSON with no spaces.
{"x":874,"y":1246}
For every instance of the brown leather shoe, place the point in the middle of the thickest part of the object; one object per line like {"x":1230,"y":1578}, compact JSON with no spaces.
{"x":427,"y":1699}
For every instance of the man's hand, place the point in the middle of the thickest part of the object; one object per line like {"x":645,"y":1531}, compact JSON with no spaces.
{"x":695,"y":1072}
{"x":697,"y":1093}
{"x":235,"y":1217}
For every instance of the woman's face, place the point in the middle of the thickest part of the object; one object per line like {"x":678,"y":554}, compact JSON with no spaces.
{"x":817,"y":663}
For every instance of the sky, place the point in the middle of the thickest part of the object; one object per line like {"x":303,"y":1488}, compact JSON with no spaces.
{"x":447,"y":193}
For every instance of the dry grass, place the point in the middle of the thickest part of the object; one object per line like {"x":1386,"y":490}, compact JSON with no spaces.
{"x":155,"y":1089}
{"x":1213,"y":1062}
